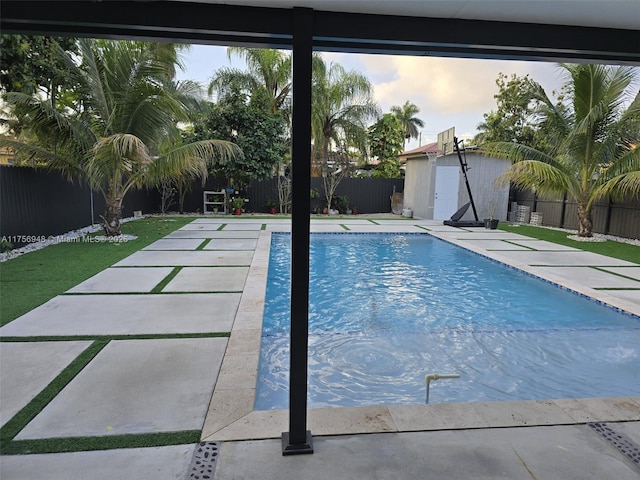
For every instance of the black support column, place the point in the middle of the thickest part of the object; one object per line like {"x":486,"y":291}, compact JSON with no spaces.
{"x":298,"y":439}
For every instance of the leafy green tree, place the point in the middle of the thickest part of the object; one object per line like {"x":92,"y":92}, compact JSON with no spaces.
{"x":406,"y":114}
{"x":593,"y":151}
{"x":268,"y":71}
{"x":386,"y":142}
{"x":251,"y":125}
{"x":124,"y":134}
{"x":34,"y":65}
{"x":513,"y":120}
{"x":342,"y":105}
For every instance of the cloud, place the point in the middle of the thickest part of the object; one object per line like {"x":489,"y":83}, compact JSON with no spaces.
{"x":448,"y":91}
{"x":446,"y":85}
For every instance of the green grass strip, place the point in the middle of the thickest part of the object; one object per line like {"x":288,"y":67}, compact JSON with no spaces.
{"x":107,"y":338}
{"x":204,"y":243}
{"x":30,"y":280}
{"x":83,"y":444}
{"x":42,"y":399}
{"x":622,"y":251}
{"x":163,"y":283}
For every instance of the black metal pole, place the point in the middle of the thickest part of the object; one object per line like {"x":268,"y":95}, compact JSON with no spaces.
{"x":463,"y":165}
{"x":298,"y":439}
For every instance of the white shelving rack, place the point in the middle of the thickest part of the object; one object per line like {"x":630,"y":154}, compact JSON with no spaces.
{"x":214,"y":202}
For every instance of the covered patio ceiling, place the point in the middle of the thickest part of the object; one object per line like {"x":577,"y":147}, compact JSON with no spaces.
{"x":569,"y":30}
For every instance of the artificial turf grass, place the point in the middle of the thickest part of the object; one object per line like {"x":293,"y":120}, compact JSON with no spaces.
{"x":20,"y":420}
{"x":30,"y":280}
{"x":165,"y":281}
{"x":108,"y":442}
{"x":619,"y":250}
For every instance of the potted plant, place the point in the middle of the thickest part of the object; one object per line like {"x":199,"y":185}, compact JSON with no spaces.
{"x":491,"y":223}
{"x":271,"y":205}
{"x":341,"y":203}
{"x":237,"y":204}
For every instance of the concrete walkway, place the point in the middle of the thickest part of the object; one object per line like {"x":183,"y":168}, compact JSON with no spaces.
{"x":218,"y":269}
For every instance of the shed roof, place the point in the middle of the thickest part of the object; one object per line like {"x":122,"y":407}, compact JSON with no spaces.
{"x":428,"y":149}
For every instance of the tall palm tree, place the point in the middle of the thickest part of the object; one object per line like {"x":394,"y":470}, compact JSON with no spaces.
{"x":342,"y":105}
{"x":269,"y":72}
{"x":124,"y":133}
{"x":593,"y":146}
{"x":407,"y":116}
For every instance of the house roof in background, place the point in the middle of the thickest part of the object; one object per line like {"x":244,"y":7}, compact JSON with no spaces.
{"x":429,"y":148}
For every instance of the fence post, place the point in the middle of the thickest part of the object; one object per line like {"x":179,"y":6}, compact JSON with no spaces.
{"x":563,"y":210}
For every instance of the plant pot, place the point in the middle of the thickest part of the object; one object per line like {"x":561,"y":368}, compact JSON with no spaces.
{"x":491,"y":223}
{"x":272,"y":210}
{"x":348,"y":212}
{"x":237,"y":211}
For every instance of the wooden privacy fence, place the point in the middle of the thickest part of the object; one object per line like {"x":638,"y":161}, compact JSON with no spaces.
{"x":609,"y":218}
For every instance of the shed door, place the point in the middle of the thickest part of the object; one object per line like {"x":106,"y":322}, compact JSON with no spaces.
{"x":446,"y":192}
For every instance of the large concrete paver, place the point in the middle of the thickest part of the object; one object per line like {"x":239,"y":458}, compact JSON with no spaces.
{"x":567,"y":453}
{"x":135,"y":386}
{"x":591,"y":276}
{"x":128,"y":314}
{"x":243,"y":226}
{"x":155,"y":463}
{"x":175,"y":244}
{"x":208,"y":279}
{"x":178,"y":234}
{"x":145,"y":258}
{"x":232,"y":244}
{"x":578,"y":258}
{"x":544,"y":245}
{"x":631,"y":272}
{"x":28,"y":367}
{"x":200,"y":226}
{"x":123,"y":280}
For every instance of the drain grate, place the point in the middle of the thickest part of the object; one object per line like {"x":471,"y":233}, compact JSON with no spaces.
{"x":618,"y":440}
{"x":203,"y":464}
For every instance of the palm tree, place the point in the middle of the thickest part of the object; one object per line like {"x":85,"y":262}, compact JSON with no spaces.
{"x":593,"y":145}
{"x":269,"y":72}
{"x":342,"y":105}
{"x":124,"y":133}
{"x":406,"y":114}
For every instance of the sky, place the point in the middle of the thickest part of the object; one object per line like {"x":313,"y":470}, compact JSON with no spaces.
{"x":450,"y":92}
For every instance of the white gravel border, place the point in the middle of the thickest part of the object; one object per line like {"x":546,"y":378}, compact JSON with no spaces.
{"x":69,"y":237}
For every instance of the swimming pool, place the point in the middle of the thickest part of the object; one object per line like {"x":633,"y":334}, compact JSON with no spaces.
{"x":386,"y":309}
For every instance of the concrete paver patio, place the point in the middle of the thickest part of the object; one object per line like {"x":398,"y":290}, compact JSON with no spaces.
{"x":127,"y":315}
{"x":123,"y":280}
{"x":173,"y":384}
{"x":26,"y":368}
{"x":135,"y":386}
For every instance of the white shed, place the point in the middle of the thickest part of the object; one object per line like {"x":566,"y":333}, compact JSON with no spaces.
{"x":434,"y":186}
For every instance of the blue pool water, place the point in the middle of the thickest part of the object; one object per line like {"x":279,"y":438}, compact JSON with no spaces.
{"x":387,"y":309}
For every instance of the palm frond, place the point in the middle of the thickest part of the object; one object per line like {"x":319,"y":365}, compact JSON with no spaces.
{"x":517,"y":153}
{"x":621,"y":187}
{"x":192,"y":160}
{"x":541,"y":177}
{"x":119,"y":159}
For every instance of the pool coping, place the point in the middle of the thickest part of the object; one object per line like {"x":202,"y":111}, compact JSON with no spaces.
{"x":231,"y":415}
